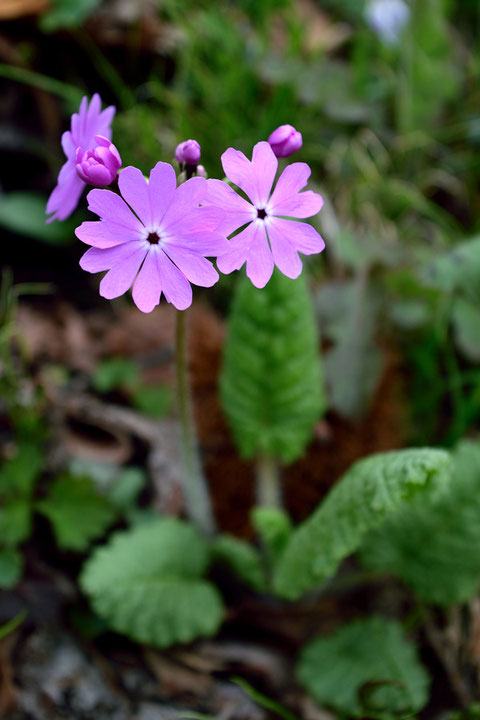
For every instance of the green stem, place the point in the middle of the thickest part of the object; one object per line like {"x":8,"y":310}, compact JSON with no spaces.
{"x":269,"y":491}
{"x":195,"y":490}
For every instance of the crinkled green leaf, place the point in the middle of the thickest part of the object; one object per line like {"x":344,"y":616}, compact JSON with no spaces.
{"x":371,"y":490}
{"x":147,"y":582}
{"x":78,"y":513}
{"x":271,"y":386}
{"x":244,"y":560}
{"x":11,"y":568}
{"x":435,"y":547}
{"x":367,"y":668}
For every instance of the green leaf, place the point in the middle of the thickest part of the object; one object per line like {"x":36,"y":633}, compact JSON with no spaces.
{"x":271,"y":386}
{"x":24,"y":214}
{"x":371,"y":490}
{"x":78,"y":513}
{"x":435,"y":547}
{"x":11,"y":568}
{"x":367,"y":668}
{"x":244,"y":560}
{"x":153,"y":400}
{"x":18,"y":474}
{"x":147,"y":582}
{"x":15,"y":522}
{"x":115,"y":373}
{"x":274,"y":527}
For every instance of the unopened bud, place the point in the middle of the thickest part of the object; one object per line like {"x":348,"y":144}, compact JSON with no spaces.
{"x":99,"y":167}
{"x":188,"y":152}
{"x":285,"y":141}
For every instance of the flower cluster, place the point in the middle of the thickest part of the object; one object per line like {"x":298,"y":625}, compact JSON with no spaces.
{"x":155,"y":237}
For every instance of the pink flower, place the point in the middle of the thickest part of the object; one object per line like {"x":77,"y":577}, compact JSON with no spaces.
{"x":270,"y":238}
{"x":98,"y":167}
{"x":155,"y":237}
{"x":85,"y":125}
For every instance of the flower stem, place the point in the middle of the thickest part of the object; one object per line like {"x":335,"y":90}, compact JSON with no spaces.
{"x":269,"y":491}
{"x":195,"y":491}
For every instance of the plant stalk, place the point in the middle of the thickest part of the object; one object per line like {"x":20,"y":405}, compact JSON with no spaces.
{"x":269,"y":491}
{"x":195,"y":491}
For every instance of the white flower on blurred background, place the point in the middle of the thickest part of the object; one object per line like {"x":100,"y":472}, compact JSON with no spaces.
{"x":387,"y":18}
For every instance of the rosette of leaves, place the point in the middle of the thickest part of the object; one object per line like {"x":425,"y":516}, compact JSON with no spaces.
{"x":434,"y":547}
{"x":367,"y":668}
{"x":148,"y":583}
{"x":271,"y":383}
{"x":373,"y":489}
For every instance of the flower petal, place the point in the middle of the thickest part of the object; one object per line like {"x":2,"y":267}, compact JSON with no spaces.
{"x":69,"y":147}
{"x":196,"y":220}
{"x":259,"y":260}
{"x":265,"y":168}
{"x":175,"y":285}
{"x":301,"y":235}
{"x":110,"y":206}
{"x":239,"y":247}
{"x":239,"y":170}
{"x":100,"y":259}
{"x":196,"y":268}
{"x":301,"y":205}
{"x":238,"y":210}
{"x":291,"y":181}
{"x":65,"y":196}
{"x":104,"y":234}
{"x":186,"y":198}
{"x":161,"y":188}
{"x":147,"y":290}
{"x":284,"y":253}
{"x":134,"y":190}
{"x":121,"y":276}
{"x":205,"y":242}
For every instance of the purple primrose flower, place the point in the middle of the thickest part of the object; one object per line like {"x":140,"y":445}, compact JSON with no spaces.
{"x":155,"y":237}
{"x":85,"y":125}
{"x":188,"y":152}
{"x":99,"y":166}
{"x":285,"y":141}
{"x":269,"y":238}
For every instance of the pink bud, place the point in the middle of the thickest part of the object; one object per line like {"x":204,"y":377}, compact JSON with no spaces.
{"x":188,"y":152}
{"x":98,"y":167}
{"x":285,"y":141}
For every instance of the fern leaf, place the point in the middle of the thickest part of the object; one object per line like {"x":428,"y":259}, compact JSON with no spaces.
{"x":371,"y":490}
{"x":271,"y":386}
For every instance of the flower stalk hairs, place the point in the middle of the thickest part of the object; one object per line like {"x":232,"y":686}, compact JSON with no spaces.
{"x":159,"y":238}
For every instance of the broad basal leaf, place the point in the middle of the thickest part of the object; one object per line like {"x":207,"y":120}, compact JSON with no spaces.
{"x":435,"y":547}
{"x":370,"y":491}
{"x":271,"y":385}
{"x":18,"y":474}
{"x":15,"y":522}
{"x":78,"y":513}
{"x":366,"y":669}
{"x":274,"y":528}
{"x":147,"y":582}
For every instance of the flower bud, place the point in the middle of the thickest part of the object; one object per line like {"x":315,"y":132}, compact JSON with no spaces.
{"x":201,"y":172}
{"x":285,"y":141}
{"x":188,"y":152}
{"x":98,"y":167}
